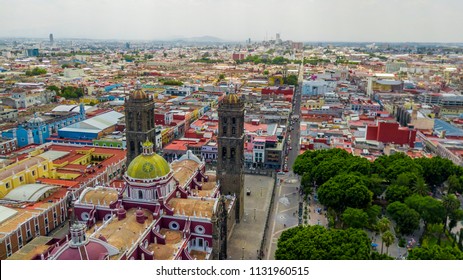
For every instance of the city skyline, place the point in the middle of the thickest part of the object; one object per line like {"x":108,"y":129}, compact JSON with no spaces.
{"x":332,"y":20}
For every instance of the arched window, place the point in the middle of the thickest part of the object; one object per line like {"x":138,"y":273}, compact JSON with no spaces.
{"x":232,"y":153}
{"x":140,"y":194}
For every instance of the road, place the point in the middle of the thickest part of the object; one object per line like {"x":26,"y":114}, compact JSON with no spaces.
{"x":286,"y":201}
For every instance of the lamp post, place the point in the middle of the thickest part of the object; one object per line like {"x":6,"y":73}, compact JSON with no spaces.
{"x":242,"y":253}
{"x":254,"y":213}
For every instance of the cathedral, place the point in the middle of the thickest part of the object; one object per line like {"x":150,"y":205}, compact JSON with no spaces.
{"x":161,"y":211}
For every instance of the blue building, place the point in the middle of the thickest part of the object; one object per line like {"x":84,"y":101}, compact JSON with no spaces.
{"x":37,"y":130}
{"x":92,"y":128}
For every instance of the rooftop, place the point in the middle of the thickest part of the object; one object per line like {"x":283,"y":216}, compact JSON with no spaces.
{"x":30,"y":192}
{"x":184,"y":169}
{"x":123,"y":233}
{"x":192,"y":207}
{"x":99,"y":195}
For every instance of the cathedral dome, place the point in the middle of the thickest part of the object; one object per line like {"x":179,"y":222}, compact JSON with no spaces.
{"x":231,"y":98}
{"x":139,"y":93}
{"x":148,"y":165}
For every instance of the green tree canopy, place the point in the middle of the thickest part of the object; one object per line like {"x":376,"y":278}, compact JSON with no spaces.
{"x":345,"y":190}
{"x":319,"y":243}
{"x":36,"y":71}
{"x":407,"y":219}
{"x":355,"y":218}
{"x":397,"y":193}
{"x":436,"y":169}
{"x":290,"y":80}
{"x":430,"y":209}
{"x":71,"y":92}
{"x":435,"y":252}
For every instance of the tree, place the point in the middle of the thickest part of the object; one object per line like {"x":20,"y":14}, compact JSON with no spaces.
{"x":36,"y":72}
{"x":376,"y":184}
{"x":435,"y":252}
{"x":430,"y":209}
{"x":265,"y":72}
{"x":451,"y":205}
{"x":71,"y":92}
{"x":454,"y":184}
{"x":436,"y":169}
{"x":355,"y":218}
{"x":345,"y":190}
{"x":407,"y":219}
{"x":383,"y":225}
{"x":406,"y":179}
{"x":397,"y":193}
{"x":420,"y":187}
{"x":319,"y":243}
{"x":290,"y":80}
{"x":373,"y":212}
{"x":387,"y":238}
{"x":54,"y":88}
{"x":221,"y":77}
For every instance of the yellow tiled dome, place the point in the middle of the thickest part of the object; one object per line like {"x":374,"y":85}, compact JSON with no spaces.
{"x":231,"y":98}
{"x":139,"y":94}
{"x":148,"y":167}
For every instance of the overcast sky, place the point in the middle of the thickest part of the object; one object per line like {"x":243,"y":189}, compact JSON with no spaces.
{"x":298,"y":20}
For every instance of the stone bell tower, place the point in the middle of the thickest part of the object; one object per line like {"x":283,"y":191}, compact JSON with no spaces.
{"x":231,"y":150}
{"x":139,"y":120}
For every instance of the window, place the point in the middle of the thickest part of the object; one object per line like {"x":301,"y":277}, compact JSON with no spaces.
{"x":20,"y":241}
{"x":33,"y":172}
{"x":44,"y":167}
{"x":37,"y":231}
{"x":84,"y":216}
{"x":21,"y":179}
{"x":7,"y":185}
{"x":8,"y":249}
{"x":200,"y":229}
{"x":174,"y":225}
{"x":140,"y":194}
{"x":232,"y":153}
{"x":233,"y":130}
{"x":224,"y":152}
{"x":233,"y":120}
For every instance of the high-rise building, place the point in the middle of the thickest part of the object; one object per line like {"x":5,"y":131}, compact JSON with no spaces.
{"x":231,"y":150}
{"x":51,"y":38}
{"x":139,"y":120}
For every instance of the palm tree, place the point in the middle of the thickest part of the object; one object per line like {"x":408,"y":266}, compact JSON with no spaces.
{"x":388,"y":238}
{"x":383,"y":225}
{"x":451,"y":204}
{"x":420,"y":187}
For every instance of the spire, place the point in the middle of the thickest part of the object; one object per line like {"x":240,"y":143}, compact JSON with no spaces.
{"x":78,"y":236}
{"x":148,"y":147}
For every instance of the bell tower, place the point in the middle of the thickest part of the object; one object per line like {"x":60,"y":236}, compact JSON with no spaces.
{"x":139,"y":122}
{"x":231,"y":150}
